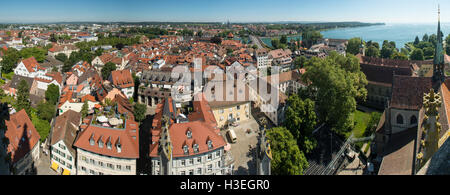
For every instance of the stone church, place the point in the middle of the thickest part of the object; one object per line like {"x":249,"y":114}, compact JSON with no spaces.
{"x":415,"y":122}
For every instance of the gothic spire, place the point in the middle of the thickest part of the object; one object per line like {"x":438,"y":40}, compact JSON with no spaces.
{"x":438,"y":64}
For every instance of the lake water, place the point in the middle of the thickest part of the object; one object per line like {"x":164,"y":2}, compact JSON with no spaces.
{"x":400,"y":33}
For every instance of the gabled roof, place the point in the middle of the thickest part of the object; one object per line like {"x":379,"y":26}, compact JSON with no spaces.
{"x":122,"y":78}
{"x":22,"y":135}
{"x":31,"y":63}
{"x":65,"y":128}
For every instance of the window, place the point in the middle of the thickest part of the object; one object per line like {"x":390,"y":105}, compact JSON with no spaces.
{"x":413,"y":120}
{"x":100,"y":163}
{"x":128,"y":168}
{"x":92,"y":172}
{"x":69,"y":158}
{"x":110,"y":166}
{"x":199,"y":159}
{"x":119,"y":167}
{"x":209,"y":156}
{"x":183,"y":162}
{"x":183,"y":173}
{"x":191,"y":172}
{"x":217,"y":153}
{"x":400,"y":119}
{"x":238,"y":107}
{"x":69,"y":166}
{"x":92,"y":161}
{"x":210,"y":167}
{"x":199,"y":171}
{"x":191,"y":161}
{"x":83,"y":169}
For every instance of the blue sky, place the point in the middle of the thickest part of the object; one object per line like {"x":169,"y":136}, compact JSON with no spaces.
{"x":389,"y":11}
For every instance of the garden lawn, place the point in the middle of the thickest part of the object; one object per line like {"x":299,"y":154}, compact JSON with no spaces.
{"x":361,"y":121}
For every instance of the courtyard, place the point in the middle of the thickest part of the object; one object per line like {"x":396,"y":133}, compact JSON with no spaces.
{"x":244,"y":150}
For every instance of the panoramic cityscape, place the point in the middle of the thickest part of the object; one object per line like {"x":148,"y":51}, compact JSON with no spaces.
{"x":224,"y":88}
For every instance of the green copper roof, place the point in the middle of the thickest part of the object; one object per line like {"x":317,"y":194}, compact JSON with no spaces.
{"x":439,"y":55}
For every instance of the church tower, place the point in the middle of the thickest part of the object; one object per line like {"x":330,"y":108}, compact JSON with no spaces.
{"x":438,"y":63}
{"x":432,"y":103}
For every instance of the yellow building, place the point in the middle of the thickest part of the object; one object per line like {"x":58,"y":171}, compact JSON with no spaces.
{"x":230,"y":111}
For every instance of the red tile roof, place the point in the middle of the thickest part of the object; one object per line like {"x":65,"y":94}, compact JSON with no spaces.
{"x":122,"y":78}
{"x":407,"y":92}
{"x":22,"y":135}
{"x":128,"y":138}
{"x":202,"y":125}
{"x":30,"y":63}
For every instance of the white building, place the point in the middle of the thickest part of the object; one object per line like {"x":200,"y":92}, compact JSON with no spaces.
{"x":62,"y":153}
{"x":30,"y":68}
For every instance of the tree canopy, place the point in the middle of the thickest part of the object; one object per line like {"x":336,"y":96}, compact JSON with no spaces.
{"x":287,"y":159}
{"x":52,"y":94}
{"x":139,"y":112}
{"x":107,"y":69}
{"x":23,"y":97}
{"x":337,"y":83}
{"x":354,"y":45}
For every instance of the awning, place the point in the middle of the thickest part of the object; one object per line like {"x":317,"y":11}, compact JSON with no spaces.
{"x":54,"y":166}
{"x":66,"y":172}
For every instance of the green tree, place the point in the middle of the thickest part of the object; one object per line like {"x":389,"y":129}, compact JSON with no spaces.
{"x":300,"y":120}
{"x":417,"y":54}
{"x":425,"y":38}
{"x":23,"y":97}
{"x":61,"y":57}
{"x":372,"y":51}
{"x":428,"y":53}
{"x":287,"y":159}
{"x":300,"y":116}
{"x":52,"y":94}
{"x":38,"y":53}
{"x":417,"y":40}
{"x":447,"y":45}
{"x":139,"y":112}
{"x":388,"y":50}
{"x":300,"y":62}
{"x":337,"y":83}
{"x":354,"y":45}
{"x":372,"y":124}
{"x":107,"y":69}
{"x":276,"y":43}
{"x":310,"y":38}
{"x":399,"y":56}
{"x":10,"y":59}
{"x":84,"y":109}
{"x":283,"y":39}
{"x":46,"y":110}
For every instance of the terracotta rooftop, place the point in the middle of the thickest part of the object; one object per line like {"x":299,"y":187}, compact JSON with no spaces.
{"x":399,"y":154}
{"x":22,"y":135}
{"x":407,"y":92}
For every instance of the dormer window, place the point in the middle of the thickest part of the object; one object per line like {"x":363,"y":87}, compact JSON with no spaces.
{"x":186,"y":149}
{"x":91,"y":140}
{"x":100,"y":142}
{"x":195,"y":147}
{"x":210,"y":144}
{"x":189,"y":134}
{"x":118,"y":146}
{"x":108,"y":143}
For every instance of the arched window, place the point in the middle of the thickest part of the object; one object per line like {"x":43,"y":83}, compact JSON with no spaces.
{"x":413,"y":120}
{"x":399,"y":119}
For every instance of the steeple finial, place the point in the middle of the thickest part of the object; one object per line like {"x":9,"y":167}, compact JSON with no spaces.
{"x":439,"y":12}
